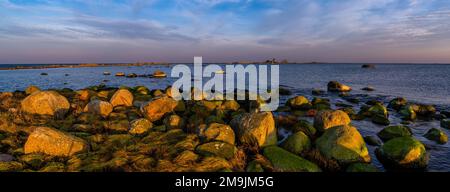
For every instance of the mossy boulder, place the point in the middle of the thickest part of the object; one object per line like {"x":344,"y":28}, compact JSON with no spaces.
{"x":285,"y":161}
{"x":102,"y":108}
{"x":216,"y":148}
{"x":391,"y":132}
{"x":46,"y":103}
{"x":343,"y":144}
{"x":53,"y":142}
{"x":158,"y":107}
{"x":397,"y":103}
{"x":219,"y":132}
{"x":361,"y":168}
{"x":380,"y":120}
{"x":305,"y":127}
{"x":255,"y":128}
{"x":445,"y":123}
{"x":122,"y":97}
{"x":327,"y":119}
{"x":297,"y":143}
{"x":140,"y":126}
{"x":408,"y":112}
{"x":299,"y":102}
{"x":372,"y":140}
{"x":403,"y":153}
{"x":334,"y":86}
{"x":437,"y":135}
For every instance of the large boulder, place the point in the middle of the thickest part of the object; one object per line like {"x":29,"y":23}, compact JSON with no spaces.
{"x":154,"y":110}
{"x":122,"y":97}
{"x":53,"y":142}
{"x":48,"y":103}
{"x":219,"y":132}
{"x":98,"y":107}
{"x":255,"y":128}
{"x":297,"y":143}
{"x":437,"y":135}
{"x":403,"y":152}
{"x":285,"y":161}
{"x":328,"y":118}
{"x":343,"y":144}
{"x":391,"y":132}
{"x":334,"y":86}
{"x":299,"y":102}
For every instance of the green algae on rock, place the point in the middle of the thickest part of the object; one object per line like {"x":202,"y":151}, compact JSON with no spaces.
{"x":403,"y":152}
{"x":285,"y":161}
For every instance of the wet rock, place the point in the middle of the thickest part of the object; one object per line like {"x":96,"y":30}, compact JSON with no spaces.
{"x":297,"y":143}
{"x":381,"y":120}
{"x":157,"y":108}
{"x":403,"y":153}
{"x":132,"y":75}
{"x":122,"y":97}
{"x":284,"y":91}
{"x":219,"y":132}
{"x":6,"y":158}
{"x":343,"y":144}
{"x":437,"y":135}
{"x":31,"y":89}
{"x":216,"y":148}
{"x":285,"y":161}
{"x":327,"y":119}
{"x":299,"y":102}
{"x":318,"y":92}
{"x":99,"y":107}
{"x":391,"y":132}
{"x":408,"y":112}
{"x":140,"y":126}
{"x":334,"y":86}
{"x":174,"y":122}
{"x":255,"y":128}
{"x":397,"y":103}
{"x":321,"y":104}
{"x":361,"y":168}
{"x":159,"y":74}
{"x":369,"y":88}
{"x":44,"y":74}
{"x":445,"y":123}
{"x":142,"y":90}
{"x":53,"y":142}
{"x":305,"y":127}
{"x":368,"y":66}
{"x":120,"y":74}
{"x":426,"y":111}
{"x":372,"y":140}
{"x":47,"y":103}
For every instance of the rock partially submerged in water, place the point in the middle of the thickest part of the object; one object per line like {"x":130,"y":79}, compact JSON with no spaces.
{"x":297,"y":143}
{"x":369,"y":88}
{"x":299,"y":102}
{"x":120,"y":74}
{"x":403,"y":153}
{"x":368,"y":66}
{"x":397,"y":103}
{"x":343,"y":144}
{"x":46,"y":103}
{"x":392,"y":132}
{"x":159,"y":74}
{"x":437,"y":135}
{"x":53,"y":142}
{"x":328,"y":119}
{"x":284,"y":161}
{"x":255,"y":129}
{"x":334,"y":86}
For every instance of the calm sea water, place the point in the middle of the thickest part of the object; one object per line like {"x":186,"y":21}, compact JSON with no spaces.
{"x":420,"y":83}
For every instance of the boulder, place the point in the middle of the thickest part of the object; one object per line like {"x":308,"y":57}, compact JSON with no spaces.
{"x":378,"y":110}
{"x":334,"y":86}
{"x":445,"y":123}
{"x":122,"y":97}
{"x":53,"y":142}
{"x":85,"y":94}
{"x":397,"y":103}
{"x":403,"y":153}
{"x":31,"y":89}
{"x":174,"y":122}
{"x":328,"y":118}
{"x":408,"y":112}
{"x":305,"y":127}
{"x":140,"y":126}
{"x":299,"y":102}
{"x":368,"y":66}
{"x":154,"y":110}
{"x":219,"y":132}
{"x":297,"y":143}
{"x":391,"y":132}
{"x":285,"y":161}
{"x":98,"y":107}
{"x":255,"y":128}
{"x":372,"y":140}
{"x":437,"y":135}
{"x":216,"y":148}
{"x":343,"y":144}
{"x":426,"y":110}
{"x":49,"y":103}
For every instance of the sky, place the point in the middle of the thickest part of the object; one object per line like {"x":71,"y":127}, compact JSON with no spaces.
{"x":103,"y":31}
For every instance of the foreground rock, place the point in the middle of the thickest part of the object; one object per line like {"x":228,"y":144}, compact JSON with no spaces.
{"x":122,"y":97}
{"x":157,"y":108}
{"x":343,"y":144}
{"x":327,"y":119}
{"x":284,"y":161}
{"x":48,"y":103}
{"x":334,"y":86}
{"x":391,"y":132}
{"x":99,"y":107}
{"x":255,"y":128}
{"x":140,"y":126}
{"x":219,"y":132}
{"x":297,"y":143}
{"x":437,"y":135}
{"x":217,"y":148}
{"x":53,"y":142}
{"x":403,"y":153}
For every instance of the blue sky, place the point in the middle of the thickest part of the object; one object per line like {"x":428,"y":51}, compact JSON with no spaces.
{"x":71,"y":31}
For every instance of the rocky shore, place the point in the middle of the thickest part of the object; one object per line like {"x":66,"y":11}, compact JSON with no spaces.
{"x":132,"y":129}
